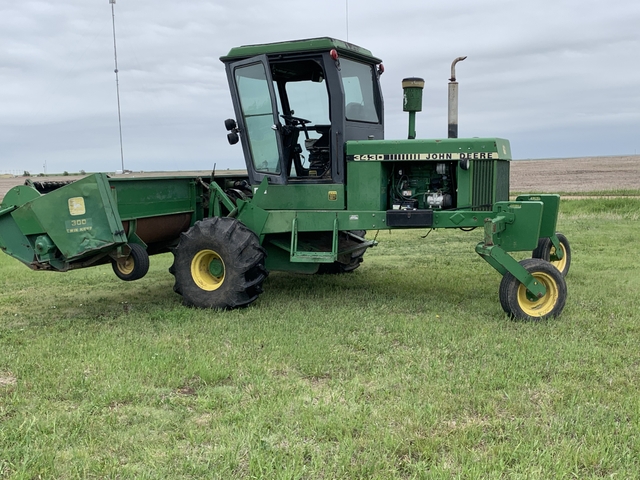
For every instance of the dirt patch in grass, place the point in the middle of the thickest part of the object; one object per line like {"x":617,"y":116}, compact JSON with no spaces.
{"x":7,"y":380}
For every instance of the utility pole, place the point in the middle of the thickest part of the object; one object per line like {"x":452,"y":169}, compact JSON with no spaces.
{"x":347,"y":16}
{"x":115,"y":57}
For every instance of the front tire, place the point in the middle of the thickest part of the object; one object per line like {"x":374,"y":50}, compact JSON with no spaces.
{"x":517,"y":302}
{"x":218,"y":264}
{"x":546,"y":251}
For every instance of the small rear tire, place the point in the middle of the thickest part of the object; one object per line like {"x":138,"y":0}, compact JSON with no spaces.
{"x":546,"y":251}
{"x":218,"y":264}
{"x":133,"y":267}
{"x":339,"y":267}
{"x":354,"y":260}
{"x":518,"y":303}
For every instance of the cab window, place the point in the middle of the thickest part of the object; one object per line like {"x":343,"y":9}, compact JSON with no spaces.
{"x":255,"y":100}
{"x":303,"y":99}
{"x":358,"y":85}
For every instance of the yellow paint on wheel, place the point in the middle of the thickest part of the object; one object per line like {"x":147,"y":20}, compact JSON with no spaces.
{"x":126,"y":267}
{"x":203,"y":266}
{"x":560,"y":264}
{"x":541,"y":306}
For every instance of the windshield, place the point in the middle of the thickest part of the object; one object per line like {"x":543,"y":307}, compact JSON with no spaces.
{"x":309,"y":100}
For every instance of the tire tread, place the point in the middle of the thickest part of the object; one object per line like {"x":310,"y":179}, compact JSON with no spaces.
{"x":243,"y":257}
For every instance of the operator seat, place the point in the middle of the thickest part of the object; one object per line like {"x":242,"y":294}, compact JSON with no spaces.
{"x":319,"y":155}
{"x":354,"y":111}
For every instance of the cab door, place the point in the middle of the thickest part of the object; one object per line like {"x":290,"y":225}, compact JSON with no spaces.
{"x":256,"y":110}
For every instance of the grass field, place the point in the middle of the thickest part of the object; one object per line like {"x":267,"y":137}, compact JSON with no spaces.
{"x":406,"y":368}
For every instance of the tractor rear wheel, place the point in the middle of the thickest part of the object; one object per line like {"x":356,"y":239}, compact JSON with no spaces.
{"x":546,"y":251}
{"x":219,"y":264}
{"x":517,"y":302}
{"x":133,"y":267}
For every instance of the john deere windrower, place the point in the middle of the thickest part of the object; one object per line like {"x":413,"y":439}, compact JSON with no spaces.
{"x":309,"y":116}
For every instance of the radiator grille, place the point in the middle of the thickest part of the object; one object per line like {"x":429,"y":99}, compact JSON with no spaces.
{"x":482,"y":197}
{"x":490,"y":177}
{"x":502,"y":182}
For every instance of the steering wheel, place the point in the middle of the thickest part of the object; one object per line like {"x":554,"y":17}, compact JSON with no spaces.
{"x":298,"y":121}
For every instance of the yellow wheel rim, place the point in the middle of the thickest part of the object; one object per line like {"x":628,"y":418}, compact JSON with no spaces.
{"x":562,"y":263}
{"x":207,"y":270}
{"x":126,"y":267}
{"x":539,"y":307}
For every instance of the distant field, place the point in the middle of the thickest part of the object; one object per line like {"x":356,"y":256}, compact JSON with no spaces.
{"x":576,"y":174}
{"x":544,"y":176}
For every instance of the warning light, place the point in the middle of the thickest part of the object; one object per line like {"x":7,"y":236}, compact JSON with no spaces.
{"x":334,"y":54}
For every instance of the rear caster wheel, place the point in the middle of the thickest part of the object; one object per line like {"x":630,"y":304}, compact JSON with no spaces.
{"x":519,"y":303}
{"x":135,"y":266}
{"x":339,"y":267}
{"x":219,"y":264}
{"x":345,"y":265}
{"x":546,"y":251}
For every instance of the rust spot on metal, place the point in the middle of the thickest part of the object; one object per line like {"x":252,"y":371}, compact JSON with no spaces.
{"x":160,"y":229}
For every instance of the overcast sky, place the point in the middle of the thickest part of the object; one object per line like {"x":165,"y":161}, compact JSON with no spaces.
{"x":558,"y":78}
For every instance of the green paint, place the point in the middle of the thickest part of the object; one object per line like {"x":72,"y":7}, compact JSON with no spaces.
{"x":551,"y":204}
{"x":300,"y":197}
{"x":366,"y":186}
{"x":216,"y":267}
{"x":13,"y":242}
{"x":324,"y":44}
{"x":149,"y":197}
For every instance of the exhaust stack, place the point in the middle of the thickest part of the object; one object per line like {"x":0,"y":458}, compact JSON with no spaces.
{"x":453,"y":100}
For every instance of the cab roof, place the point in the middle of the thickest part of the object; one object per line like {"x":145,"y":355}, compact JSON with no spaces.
{"x":300,"y":46}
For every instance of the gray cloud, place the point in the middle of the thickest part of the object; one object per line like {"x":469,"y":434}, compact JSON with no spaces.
{"x":558,"y":78}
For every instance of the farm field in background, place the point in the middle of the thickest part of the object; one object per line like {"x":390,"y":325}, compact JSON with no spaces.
{"x":571,"y":176}
{"x":567,"y":175}
{"x":406,"y":368}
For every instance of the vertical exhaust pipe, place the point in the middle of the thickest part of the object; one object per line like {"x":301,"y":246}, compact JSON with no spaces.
{"x":453,"y":100}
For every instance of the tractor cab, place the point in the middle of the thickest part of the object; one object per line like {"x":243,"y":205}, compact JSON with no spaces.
{"x":297,"y":103}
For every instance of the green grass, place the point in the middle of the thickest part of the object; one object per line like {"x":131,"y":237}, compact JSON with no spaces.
{"x":406,"y":368}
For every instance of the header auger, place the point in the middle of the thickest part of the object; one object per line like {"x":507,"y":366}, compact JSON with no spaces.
{"x":309,"y":116}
